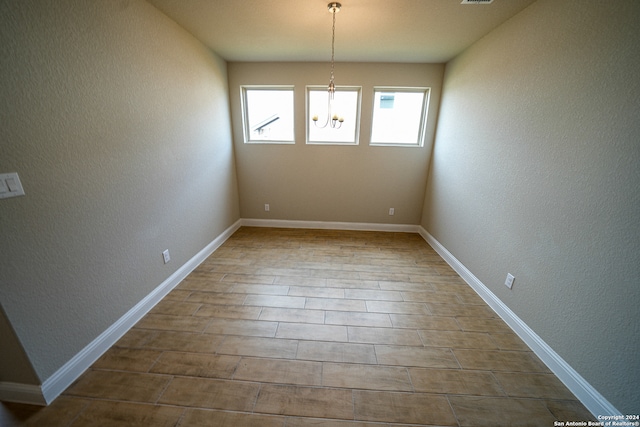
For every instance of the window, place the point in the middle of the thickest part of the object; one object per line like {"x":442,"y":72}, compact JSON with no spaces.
{"x":346,"y":104}
{"x":399,"y":116}
{"x":267,"y":114}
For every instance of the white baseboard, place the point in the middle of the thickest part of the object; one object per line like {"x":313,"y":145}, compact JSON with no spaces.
{"x":22,"y":393}
{"x":588,"y":396}
{"x":53,"y":386}
{"x":329,"y":225}
{"x":70,"y":371}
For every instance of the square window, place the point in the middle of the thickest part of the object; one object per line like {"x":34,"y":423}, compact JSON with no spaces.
{"x":346,"y":105}
{"x":267,"y":114}
{"x":399,"y":116}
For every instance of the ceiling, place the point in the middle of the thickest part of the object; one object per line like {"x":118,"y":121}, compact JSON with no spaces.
{"x":422,"y":31}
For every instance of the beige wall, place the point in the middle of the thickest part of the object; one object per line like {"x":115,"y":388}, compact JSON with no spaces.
{"x":16,"y":367}
{"x":536,"y":172}
{"x":117,"y":121}
{"x":329,"y":182}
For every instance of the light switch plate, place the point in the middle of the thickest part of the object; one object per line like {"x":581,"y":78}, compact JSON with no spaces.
{"x":10,"y":185}
{"x":509,"y":281}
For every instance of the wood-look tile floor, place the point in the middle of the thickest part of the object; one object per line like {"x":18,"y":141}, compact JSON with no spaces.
{"x":297,"y":328}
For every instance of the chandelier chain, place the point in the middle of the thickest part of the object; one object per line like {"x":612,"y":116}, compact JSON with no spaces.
{"x":333,"y":41}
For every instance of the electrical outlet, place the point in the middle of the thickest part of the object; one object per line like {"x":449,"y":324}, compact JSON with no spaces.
{"x":509,"y":282}
{"x":165,"y":256}
{"x":266,"y":207}
{"x":392,"y":211}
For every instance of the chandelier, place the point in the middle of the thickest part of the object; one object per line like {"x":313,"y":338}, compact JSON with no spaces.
{"x":332,"y":119}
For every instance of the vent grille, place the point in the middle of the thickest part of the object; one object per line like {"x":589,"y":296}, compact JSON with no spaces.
{"x":476,"y":1}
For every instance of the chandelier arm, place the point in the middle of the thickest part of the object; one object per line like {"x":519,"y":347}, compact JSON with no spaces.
{"x":329,"y":116}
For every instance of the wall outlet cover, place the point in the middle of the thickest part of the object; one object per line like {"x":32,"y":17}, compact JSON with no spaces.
{"x":10,"y":185}
{"x":509,"y":281}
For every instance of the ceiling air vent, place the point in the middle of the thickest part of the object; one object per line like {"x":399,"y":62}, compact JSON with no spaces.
{"x":476,"y":1}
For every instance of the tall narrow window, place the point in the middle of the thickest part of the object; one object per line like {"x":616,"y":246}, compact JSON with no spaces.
{"x":267,"y":114}
{"x":346,"y":105}
{"x":399,"y":116}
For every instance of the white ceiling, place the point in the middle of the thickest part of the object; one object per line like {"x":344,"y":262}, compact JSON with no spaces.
{"x":366,"y":30}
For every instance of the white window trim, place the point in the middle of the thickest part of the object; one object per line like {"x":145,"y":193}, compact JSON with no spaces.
{"x":423,"y":118}
{"x":308,"y":114}
{"x":246,"y":132}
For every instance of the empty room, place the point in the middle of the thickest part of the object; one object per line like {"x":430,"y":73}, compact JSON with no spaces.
{"x":299,"y":213}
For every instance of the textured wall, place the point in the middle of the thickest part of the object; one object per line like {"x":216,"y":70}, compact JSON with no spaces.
{"x":536,"y":172}
{"x":117,"y":121}
{"x":16,"y":367}
{"x":329,"y":182}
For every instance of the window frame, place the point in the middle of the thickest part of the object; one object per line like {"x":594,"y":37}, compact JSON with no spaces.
{"x":244,"y":103}
{"x":423,"y":115}
{"x":308,"y":114}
